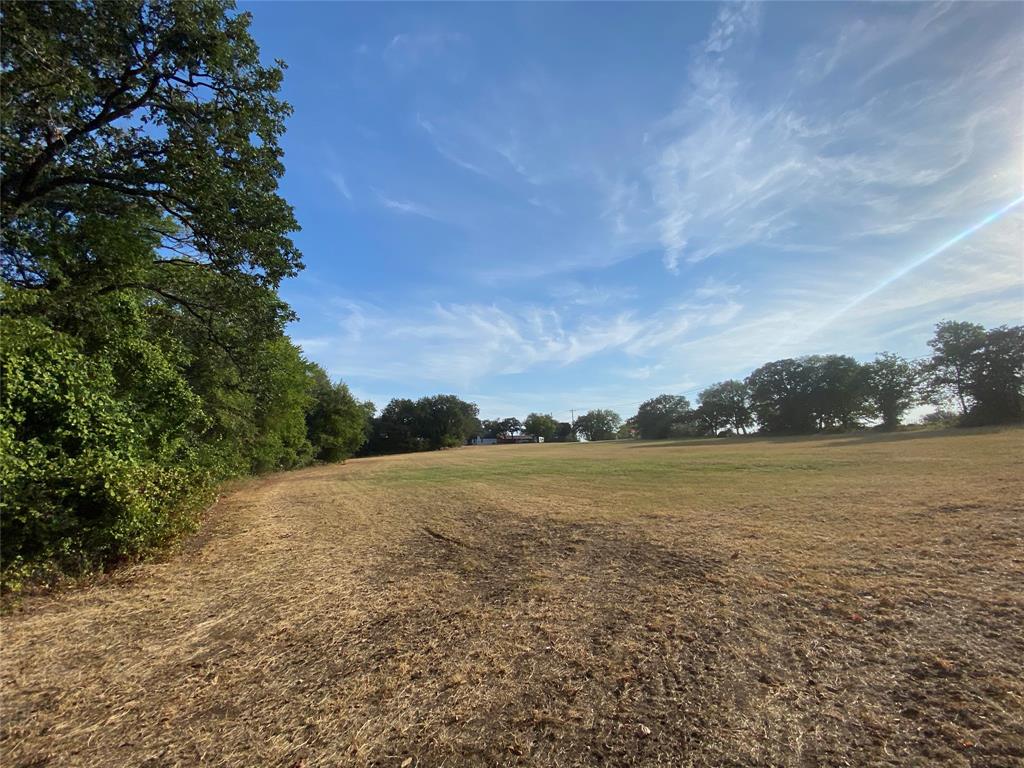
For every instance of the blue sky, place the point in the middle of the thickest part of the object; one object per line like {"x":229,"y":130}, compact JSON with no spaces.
{"x":554,"y":206}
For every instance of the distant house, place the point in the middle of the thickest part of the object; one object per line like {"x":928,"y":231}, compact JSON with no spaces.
{"x":514,"y":440}
{"x":518,"y":439}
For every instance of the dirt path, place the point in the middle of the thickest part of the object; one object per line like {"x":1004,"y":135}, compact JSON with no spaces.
{"x":331,"y":619}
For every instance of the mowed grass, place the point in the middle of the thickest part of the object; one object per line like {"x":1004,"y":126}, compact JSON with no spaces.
{"x":835,"y":600}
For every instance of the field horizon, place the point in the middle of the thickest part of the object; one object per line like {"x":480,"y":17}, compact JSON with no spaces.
{"x":848,"y":599}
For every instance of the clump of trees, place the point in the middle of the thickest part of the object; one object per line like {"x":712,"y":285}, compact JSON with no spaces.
{"x":891,"y":387}
{"x":430,"y":423}
{"x":658,"y":417}
{"x":974,"y":376}
{"x":976,"y":371}
{"x":598,"y":425}
{"x":143,"y":241}
{"x":979,"y":371}
{"x":501,"y":428}
{"x":725,"y":406}
{"x":542,"y":425}
{"x":336,"y":422}
{"x":808,"y":394}
{"x":564,"y":433}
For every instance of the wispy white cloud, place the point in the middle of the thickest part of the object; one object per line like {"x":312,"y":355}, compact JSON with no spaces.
{"x":728,"y":173}
{"x":406,"y":206}
{"x":409,"y":49}
{"x":674,"y":322}
{"x":338,"y":180}
{"x":869,"y":45}
{"x":575,"y":293}
{"x":443,"y":149}
{"x":922,"y":30}
{"x":547,"y":205}
{"x":716,"y":288}
{"x":734,"y":20}
{"x":459,"y":343}
{"x":511,"y":153}
{"x":641,"y":373}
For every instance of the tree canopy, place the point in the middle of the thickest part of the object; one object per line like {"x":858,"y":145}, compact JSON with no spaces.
{"x":542,"y":425}
{"x":808,"y":394}
{"x":598,"y":425}
{"x":981,"y":371}
{"x":503,"y":428}
{"x":656,"y":417}
{"x":954,"y":346}
{"x":143,"y":242}
{"x":726,"y":405}
{"x":430,"y":423}
{"x":892,"y":387}
{"x":159,"y":111}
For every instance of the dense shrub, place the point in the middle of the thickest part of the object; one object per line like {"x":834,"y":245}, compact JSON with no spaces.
{"x":108,"y":449}
{"x":89,"y":476}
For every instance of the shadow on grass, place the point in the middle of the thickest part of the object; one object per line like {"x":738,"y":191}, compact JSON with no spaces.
{"x":832,"y":440}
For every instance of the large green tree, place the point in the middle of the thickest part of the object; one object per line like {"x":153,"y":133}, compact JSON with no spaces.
{"x":780,"y":397}
{"x":598,"y":424}
{"x":892,"y":387}
{"x":440,"y":421}
{"x":505,"y":428}
{"x":161,"y":107}
{"x":809,"y":394}
{"x":954,"y":346}
{"x":143,"y":241}
{"x":446,"y":421}
{"x":995,"y":383}
{"x":337,"y":424}
{"x":837,"y":391}
{"x":726,"y":405}
{"x":656,"y":417}
{"x":396,"y":429}
{"x":542,"y":425}
{"x":981,"y":371}
{"x":564,"y":433}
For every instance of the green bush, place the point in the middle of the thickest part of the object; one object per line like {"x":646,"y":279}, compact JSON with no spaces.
{"x":84,"y":481}
{"x":141,"y":249}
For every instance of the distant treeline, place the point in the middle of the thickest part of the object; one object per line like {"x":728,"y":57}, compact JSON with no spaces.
{"x":973,"y":377}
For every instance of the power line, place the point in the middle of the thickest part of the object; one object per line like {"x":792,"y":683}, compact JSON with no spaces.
{"x":695,"y":390}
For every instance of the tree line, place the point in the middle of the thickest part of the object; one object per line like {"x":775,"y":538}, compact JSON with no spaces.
{"x":974,"y":377}
{"x":143,"y":241}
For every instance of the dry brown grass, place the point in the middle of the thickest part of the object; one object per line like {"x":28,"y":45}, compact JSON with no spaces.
{"x":827,"y":601}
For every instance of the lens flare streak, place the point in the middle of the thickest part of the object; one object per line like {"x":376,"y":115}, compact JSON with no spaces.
{"x":920,"y":261}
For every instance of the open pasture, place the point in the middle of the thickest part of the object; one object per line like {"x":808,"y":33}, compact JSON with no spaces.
{"x":837,"y":600}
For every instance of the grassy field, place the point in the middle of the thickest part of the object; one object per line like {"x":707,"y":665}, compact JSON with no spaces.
{"x":848,"y":600}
